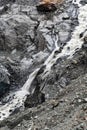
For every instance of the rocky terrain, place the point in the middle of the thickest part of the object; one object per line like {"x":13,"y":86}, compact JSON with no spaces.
{"x":43,"y":59}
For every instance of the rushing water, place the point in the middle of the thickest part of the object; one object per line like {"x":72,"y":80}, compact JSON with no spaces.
{"x":75,"y":42}
{"x":17,"y":98}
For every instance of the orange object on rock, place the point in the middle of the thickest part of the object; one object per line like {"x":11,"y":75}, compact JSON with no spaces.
{"x":51,"y":1}
{"x":48,"y":5}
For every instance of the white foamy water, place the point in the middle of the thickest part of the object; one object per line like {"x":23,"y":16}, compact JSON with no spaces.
{"x":17,"y":98}
{"x":75,"y":42}
{"x":27,"y":85}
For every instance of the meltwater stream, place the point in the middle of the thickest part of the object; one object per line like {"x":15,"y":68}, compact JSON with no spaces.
{"x":74,"y":44}
{"x":17,"y":98}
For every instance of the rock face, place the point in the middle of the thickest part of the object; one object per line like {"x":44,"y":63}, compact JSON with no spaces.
{"x":14,"y":29}
{"x":34,"y":99}
{"x":30,"y":41}
{"x":4,"y":2}
{"x":67,"y":110}
{"x":27,"y":37}
{"x":4,"y":80}
{"x":4,"y":87}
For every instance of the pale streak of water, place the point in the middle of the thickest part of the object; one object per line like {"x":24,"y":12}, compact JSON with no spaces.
{"x":18,"y":98}
{"x":30,"y":79}
{"x":74,"y":43}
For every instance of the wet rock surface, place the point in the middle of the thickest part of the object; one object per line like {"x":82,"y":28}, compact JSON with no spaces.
{"x":4,"y":80}
{"x":27,"y":37}
{"x":67,"y":110}
{"x":57,"y":101}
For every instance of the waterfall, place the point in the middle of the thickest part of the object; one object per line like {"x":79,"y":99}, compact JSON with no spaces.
{"x":76,"y":42}
{"x":30,"y":80}
{"x":18,"y":97}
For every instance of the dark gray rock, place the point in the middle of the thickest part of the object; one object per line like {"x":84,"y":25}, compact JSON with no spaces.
{"x":27,"y":38}
{"x":4,"y":87}
{"x":83,"y":2}
{"x":72,"y":12}
{"x":27,"y":2}
{"x":4,"y":80}
{"x":4,"y":74}
{"x":4,"y":9}
{"x":34,"y":100}
{"x":4,"y":2}
{"x":5,"y":128}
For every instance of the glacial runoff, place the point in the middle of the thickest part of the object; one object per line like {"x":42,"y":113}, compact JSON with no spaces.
{"x":17,"y":98}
